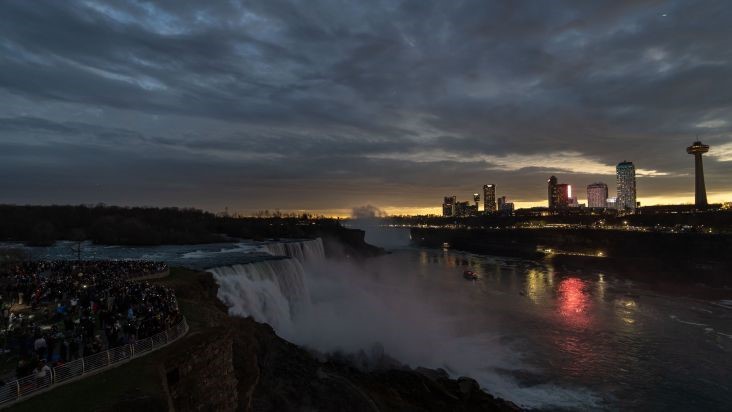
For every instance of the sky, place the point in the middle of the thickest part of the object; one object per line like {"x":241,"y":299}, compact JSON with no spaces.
{"x":322,"y":106}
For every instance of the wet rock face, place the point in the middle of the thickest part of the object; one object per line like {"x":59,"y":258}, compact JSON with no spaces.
{"x":281,"y":376}
{"x":467,"y":386}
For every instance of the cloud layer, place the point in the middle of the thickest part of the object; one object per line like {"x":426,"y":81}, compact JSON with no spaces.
{"x":322,"y":105}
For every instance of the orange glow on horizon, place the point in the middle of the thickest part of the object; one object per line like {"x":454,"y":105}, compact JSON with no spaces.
{"x":677,"y":199}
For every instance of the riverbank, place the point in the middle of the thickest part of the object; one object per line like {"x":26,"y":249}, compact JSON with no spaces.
{"x":691,"y":264}
{"x":686,"y":259}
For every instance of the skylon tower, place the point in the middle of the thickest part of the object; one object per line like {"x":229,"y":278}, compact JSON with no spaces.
{"x":700,"y":191}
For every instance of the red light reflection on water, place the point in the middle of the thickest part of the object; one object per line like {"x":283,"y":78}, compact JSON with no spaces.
{"x":573,"y":302}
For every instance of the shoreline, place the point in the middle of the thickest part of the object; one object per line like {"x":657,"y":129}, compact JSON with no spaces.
{"x":684,"y":260}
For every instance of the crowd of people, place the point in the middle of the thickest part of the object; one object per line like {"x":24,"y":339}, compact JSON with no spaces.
{"x":54,"y":312}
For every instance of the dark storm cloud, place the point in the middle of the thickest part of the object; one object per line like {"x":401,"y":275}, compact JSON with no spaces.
{"x":395,"y":102}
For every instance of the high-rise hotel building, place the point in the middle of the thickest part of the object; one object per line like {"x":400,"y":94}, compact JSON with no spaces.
{"x":564,"y":194}
{"x":597,"y":195}
{"x":559,"y":194}
{"x":449,"y":206}
{"x":625,"y":172}
{"x":553,"y":194}
{"x":489,"y":198}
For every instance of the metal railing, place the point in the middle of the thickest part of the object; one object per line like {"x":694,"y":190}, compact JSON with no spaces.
{"x":26,"y":387}
{"x":151,"y":276}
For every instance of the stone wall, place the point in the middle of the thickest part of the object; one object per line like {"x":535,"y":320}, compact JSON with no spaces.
{"x":199,"y":372}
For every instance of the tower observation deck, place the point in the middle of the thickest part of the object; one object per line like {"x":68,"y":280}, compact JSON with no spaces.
{"x":700,"y":190}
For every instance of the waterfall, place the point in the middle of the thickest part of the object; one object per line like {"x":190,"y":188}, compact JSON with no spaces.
{"x":302,"y":250}
{"x":271,"y":291}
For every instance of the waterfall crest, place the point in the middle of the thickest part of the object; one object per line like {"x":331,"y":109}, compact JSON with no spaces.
{"x":309,"y":250}
{"x":271,"y":291}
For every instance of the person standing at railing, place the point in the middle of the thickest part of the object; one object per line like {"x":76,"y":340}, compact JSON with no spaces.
{"x":64,"y":350}
{"x":7,"y":392}
{"x":74,"y":348}
{"x":50,"y":346}
{"x":42,"y":374}
{"x":4,"y":314}
{"x":23,"y":369}
{"x":40,"y":346}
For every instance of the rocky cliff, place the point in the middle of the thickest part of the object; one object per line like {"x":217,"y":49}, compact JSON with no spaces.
{"x":229,"y":363}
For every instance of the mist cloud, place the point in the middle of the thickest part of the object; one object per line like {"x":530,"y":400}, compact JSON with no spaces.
{"x":367,"y":212}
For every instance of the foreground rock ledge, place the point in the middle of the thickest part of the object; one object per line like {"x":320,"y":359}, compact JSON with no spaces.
{"x":228,"y":364}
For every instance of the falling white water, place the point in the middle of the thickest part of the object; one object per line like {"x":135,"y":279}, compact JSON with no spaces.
{"x":270,"y":291}
{"x":303,"y":250}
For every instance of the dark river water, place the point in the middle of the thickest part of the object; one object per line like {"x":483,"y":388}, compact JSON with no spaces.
{"x":541,"y":336}
{"x":610,"y":342}
{"x":617,"y":345}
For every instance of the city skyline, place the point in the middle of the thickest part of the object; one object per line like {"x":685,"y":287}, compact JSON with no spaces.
{"x":327,"y":106}
{"x":560,"y":196}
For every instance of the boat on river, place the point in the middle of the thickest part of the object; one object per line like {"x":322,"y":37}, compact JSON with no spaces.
{"x":470,"y":275}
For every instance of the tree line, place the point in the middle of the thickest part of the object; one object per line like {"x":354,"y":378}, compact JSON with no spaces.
{"x":43,"y":225}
